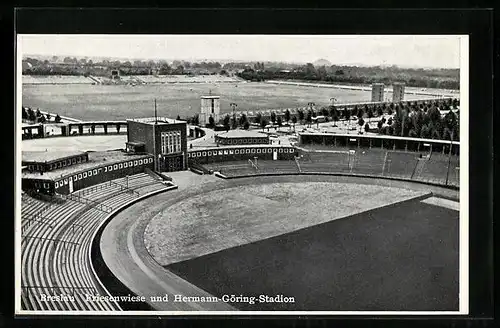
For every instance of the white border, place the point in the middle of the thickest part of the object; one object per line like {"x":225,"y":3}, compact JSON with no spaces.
{"x":463,"y":224}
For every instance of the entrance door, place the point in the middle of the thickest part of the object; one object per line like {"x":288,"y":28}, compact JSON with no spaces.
{"x":70,"y":185}
{"x":275,"y":155}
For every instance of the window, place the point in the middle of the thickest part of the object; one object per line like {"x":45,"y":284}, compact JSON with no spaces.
{"x":140,"y":162}
{"x":79,"y":176}
{"x":125,"y":165}
{"x":231,"y":152}
{"x":120,"y":166}
{"x":69,"y":162}
{"x":64,"y":163}
{"x":220,"y":152}
{"x":95,"y":172}
{"x":189,"y":155}
{"x":135,"y":163}
{"x":79,"y":160}
{"x":247,"y":151}
{"x":204,"y":153}
{"x":237,"y":151}
{"x":151,"y":160}
{"x":57,"y":184}
{"x":198,"y":154}
{"x":115,"y":167}
{"x":73,"y":161}
{"x":130,"y":163}
{"x":281,"y":150}
{"x":269,"y":150}
{"x":110,"y":168}
{"x":253,"y":150}
{"x":89,"y":173}
{"x":225,"y":152}
{"x":75,"y":178}
{"x":46,"y":185}
{"x":105,"y":169}
{"x":66,"y":181}
{"x":258,"y":150}
{"x":209,"y":153}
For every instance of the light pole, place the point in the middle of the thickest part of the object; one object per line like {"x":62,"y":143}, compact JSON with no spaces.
{"x":233,"y":106}
{"x":311,"y":104}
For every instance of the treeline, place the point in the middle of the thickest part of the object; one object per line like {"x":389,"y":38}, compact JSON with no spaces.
{"x":424,"y":78}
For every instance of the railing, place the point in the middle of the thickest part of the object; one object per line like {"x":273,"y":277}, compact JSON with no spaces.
{"x":92,"y":203}
{"x":253,"y":165}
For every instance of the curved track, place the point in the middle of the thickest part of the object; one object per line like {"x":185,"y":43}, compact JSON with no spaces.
{"x":124,"y":251}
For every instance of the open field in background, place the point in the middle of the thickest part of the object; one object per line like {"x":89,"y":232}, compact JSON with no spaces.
{"x":83,"y":143}
{"x":229,"y":217}
{"x":403,"y":257}
{"x":98,"y":102}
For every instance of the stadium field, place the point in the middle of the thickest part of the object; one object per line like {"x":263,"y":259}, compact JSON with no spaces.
{"x":164,"y":243}
{"x":403,"y":257}
{"x":97,"y":102}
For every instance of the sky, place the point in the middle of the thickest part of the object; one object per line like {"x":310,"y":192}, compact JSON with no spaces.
{"x":404,"y":51}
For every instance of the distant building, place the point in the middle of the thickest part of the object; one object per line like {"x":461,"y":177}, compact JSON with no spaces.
{"x":210,"y":106}
{"x":241,"y":137}
{"x":377,"y":92}
{"x":398,"y":91}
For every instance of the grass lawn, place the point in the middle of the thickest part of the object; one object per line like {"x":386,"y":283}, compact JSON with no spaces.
{"x":99,"y":102}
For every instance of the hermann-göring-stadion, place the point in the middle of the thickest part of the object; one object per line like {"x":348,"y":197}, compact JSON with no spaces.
{"x":192,"y":190}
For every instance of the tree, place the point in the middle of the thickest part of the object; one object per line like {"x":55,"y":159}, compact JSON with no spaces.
{"x":258,"y":118}
{"x":211,"y":121}
{"x":369,"y":114}
{"x":309,"y":118}
{"x":389,"y":111}
{"x":361,"y":122}
{"x":280,"y":123}
{"x":335,"y":118}
{"x":118,"y":126}
{"x":243,"y":119}
{"x":31,"y":115}
{"x":226,"y":122}
{"x":24,"y":114}
{"x":347,"y":114}
{"x":412,"y":134}
{"x":294,"y":121}
{"x":367,"y":127}
{"x":287,"y":115}
{"x":324,"y":111}
{"x":333,"y":111}
{"x":301,"y":115}
{"x":196,"y":119}
{"x":273,"y":117}
{"x":379,"y":125}
{"x":41,"y":119}
{"x":234,"y":122}
{"x":57,"y":119}
{"x":389,"y":121}
{"x":178,"y":118}
{"x":263,"y":123}
{"x":425,"y":133}
{"x":246,"y":125}
{"x":380,"y":111}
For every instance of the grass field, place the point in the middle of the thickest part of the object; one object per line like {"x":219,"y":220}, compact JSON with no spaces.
{"x":403,"y":257}
{"x":97,"y":102}
{"x":229,"y":217}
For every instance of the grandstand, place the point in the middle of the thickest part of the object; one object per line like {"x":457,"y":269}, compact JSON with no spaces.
{"x":56,"y":248}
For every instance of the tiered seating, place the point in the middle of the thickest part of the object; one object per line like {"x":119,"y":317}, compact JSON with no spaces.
{"x":400,"y":164}
{"x":277,"y":166}
{"x":65,"y":267}
{"x":368,"y":162}
{"x":339,"y":162}
{"x":232,"y":168}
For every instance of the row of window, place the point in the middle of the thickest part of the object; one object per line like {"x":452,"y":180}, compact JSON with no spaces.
{"x":108,"y":168}
{"x":170,"y":142}
{"x":244,"y":141}
{"x":239,"y":151}
{"x":56,"y":165}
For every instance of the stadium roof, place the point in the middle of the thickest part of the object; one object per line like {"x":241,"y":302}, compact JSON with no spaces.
{"x":241,"y":134}
{"x":96,"y":159}
{"x":48,"y":156}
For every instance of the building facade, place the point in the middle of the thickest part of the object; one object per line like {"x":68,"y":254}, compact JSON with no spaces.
{"x":377,"y":92}
{"x":210,"y":106}
{"x":165,"y":139}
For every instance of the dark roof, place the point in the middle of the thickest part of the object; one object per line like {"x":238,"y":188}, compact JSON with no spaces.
{"x":48,"y":156}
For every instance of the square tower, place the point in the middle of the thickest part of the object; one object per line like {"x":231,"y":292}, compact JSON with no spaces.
{"x":377,"y":92}
{"x":398,"y":91}
{"x":210,"y":106}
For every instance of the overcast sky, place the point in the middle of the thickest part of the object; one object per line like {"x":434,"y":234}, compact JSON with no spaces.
{"x":406,"y":51}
